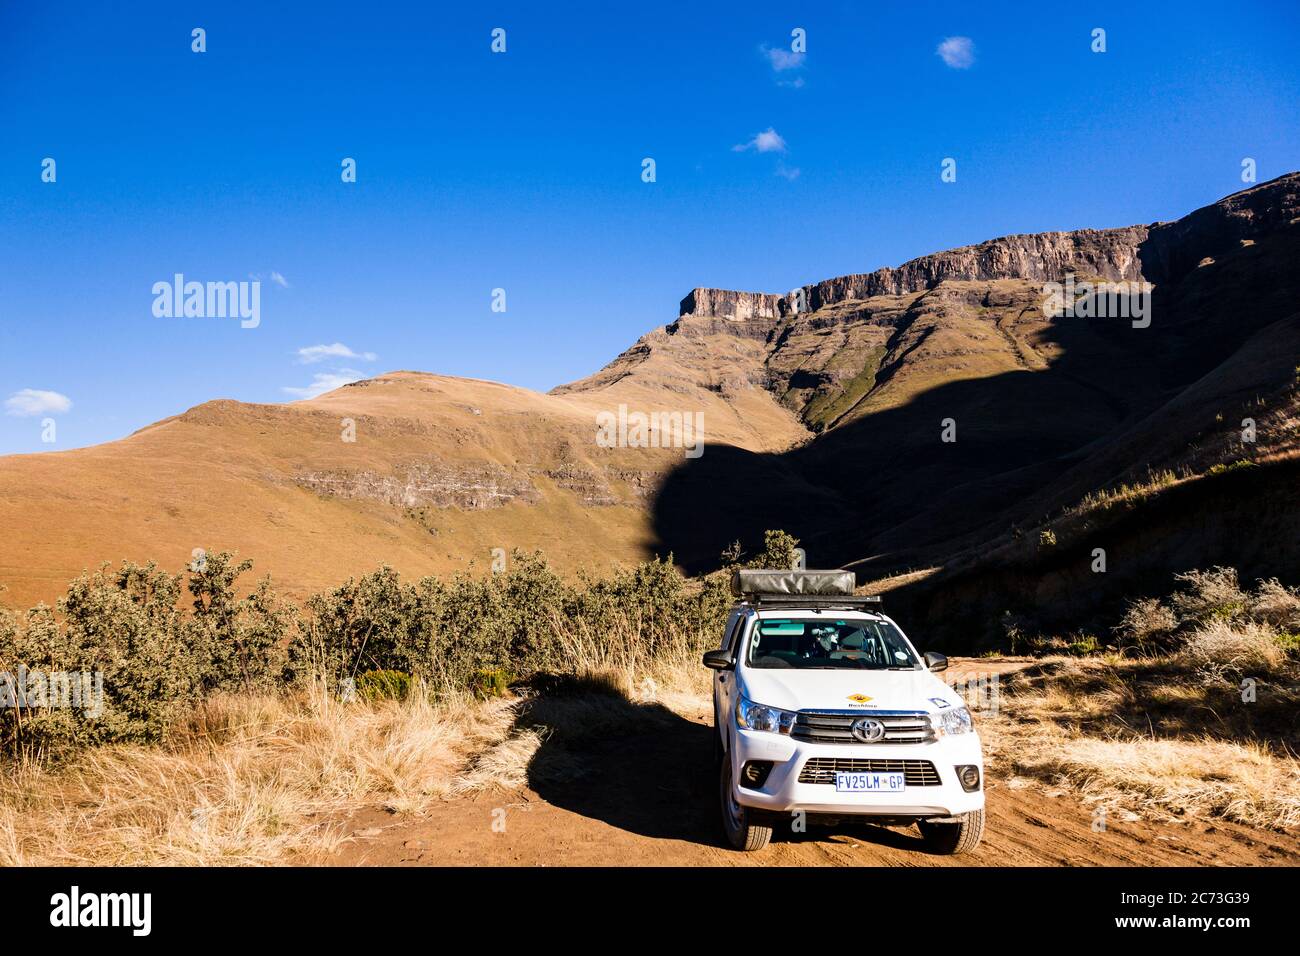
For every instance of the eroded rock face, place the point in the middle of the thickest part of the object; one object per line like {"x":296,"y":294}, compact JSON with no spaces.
{"x":1111,"y":254}
{"x":726,"y":304}
{"x":700,"y":326}
{"x":473,"y":486}
{"x":587,"y":484}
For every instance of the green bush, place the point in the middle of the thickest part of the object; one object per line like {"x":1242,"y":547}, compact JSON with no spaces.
{"x":122,"y":626}
{"x":384,"y":685}
{"x":144,"y":661}
{"x":1084,"y":644}
{"x":493,"y":682}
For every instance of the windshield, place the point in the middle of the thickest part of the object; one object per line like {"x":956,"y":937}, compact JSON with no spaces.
{"x":824,"y":642}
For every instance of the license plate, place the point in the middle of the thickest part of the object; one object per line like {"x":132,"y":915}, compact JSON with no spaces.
{"x":870,"y":782}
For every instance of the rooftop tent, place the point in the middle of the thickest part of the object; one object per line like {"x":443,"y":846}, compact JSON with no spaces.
{"x":819,"y":583}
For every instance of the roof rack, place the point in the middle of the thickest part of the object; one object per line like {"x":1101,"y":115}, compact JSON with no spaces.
{"x":799,"y":588}
{"x":856,"y":602}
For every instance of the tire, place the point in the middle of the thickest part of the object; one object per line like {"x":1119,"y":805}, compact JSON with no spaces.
{"x":951,"y":839}
{"x":737,"y":821}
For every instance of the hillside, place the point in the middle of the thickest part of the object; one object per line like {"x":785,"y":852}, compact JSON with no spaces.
{"x":441,"y":472}
{"x":822,"y":411}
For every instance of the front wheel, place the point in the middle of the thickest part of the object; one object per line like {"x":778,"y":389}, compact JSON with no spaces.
{"x":961,"y":836}
{"x":742,"y":833}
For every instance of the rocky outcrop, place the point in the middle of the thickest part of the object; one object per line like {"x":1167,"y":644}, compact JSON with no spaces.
{"x":1041,"y":257}
{"x":700,"y":326}
{"x":725,"y":304}
{"x":1158,"y":252}
{"x":471,"y":486}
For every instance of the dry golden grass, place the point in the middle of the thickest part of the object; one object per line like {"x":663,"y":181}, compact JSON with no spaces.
{"x":1245,"y":783}
{"x":1242,"y":646}
{"x":503,"y":766}
{"x":1115,"y":730}
{"x":245,"y":781}
{"x":624,"y":659}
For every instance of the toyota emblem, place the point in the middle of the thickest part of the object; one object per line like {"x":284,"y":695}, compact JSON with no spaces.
{"x":868,"y":729}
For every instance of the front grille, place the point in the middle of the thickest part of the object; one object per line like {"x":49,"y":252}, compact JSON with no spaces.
{"x":826,"y":727}
{"x":917,"y":773}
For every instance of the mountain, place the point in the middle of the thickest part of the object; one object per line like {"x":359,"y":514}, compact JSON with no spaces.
{"x":824,"y":412}
{"x":441,"y":471}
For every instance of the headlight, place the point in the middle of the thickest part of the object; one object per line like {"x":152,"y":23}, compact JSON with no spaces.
{"x":954,"y":720}
{"x":754,"y":716}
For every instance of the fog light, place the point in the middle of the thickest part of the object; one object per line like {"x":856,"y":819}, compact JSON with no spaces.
{"x":969,"y":775}
{"x":754,"y":774}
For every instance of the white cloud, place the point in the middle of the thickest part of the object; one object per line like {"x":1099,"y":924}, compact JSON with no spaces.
{"x":957,"y":52}
{"x":768,"y":141}
{"x":318,"y":353}
{"x":782,"y":60}
{"x":279,"y":280}
{"x":789,"y":172}
{"x":323,"y":382}
{"x":33,"y":401}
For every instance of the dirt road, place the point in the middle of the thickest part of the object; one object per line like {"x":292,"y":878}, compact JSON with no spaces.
{"x":645,"y":794}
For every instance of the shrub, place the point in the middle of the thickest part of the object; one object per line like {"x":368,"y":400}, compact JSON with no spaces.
{"x":1276,"y":605}
{"x":361,"y":625}
{"x":1083,"y":644}
{"x":120,"y":636}
{"x":1222,"y":468}
{"x":1147,"y":621}
{"x":1213,"y":595}
{"x":243,"y":640}
{"x":121,"y":629}
{"x":779,"y":551}
{"x":1223,"y":647}
{"x":493,"y":682}
{"x":384,"y":685}
{"x":1018,"y":630}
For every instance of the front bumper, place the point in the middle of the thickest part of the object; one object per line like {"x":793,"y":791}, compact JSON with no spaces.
{"x":782,"y":791}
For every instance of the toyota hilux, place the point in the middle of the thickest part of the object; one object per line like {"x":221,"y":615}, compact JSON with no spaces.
{"x":823,"y":708}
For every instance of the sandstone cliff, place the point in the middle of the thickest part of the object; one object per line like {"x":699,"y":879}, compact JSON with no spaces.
{"x":725,"y":304}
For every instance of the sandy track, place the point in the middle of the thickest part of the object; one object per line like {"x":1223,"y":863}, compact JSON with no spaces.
{"x":649,"y":798}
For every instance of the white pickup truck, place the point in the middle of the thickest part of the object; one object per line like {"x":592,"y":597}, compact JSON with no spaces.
{"x":822,"y":705}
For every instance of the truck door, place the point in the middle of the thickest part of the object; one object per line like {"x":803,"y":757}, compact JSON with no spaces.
{"x":724,"y":682}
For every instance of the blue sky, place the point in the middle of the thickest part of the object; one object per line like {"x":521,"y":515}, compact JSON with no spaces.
{"x":522,"y":171}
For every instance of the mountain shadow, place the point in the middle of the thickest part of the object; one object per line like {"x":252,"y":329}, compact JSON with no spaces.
{"x":967,"y":464}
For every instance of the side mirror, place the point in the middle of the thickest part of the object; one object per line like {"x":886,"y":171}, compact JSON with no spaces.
{"x":719,"y":660}
{"x":936,"y":661}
